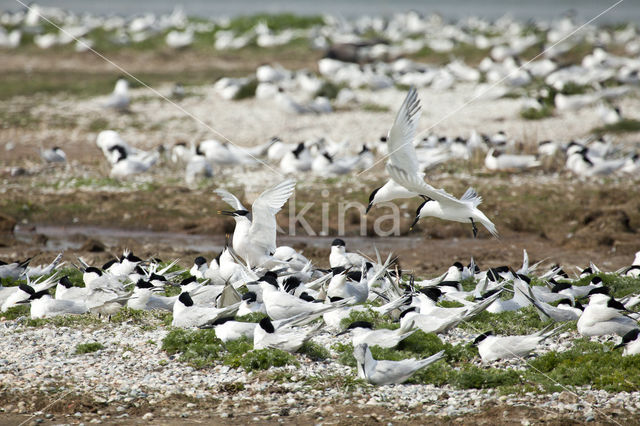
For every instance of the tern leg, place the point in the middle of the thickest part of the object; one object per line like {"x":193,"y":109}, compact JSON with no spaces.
{"x":475,"y":228}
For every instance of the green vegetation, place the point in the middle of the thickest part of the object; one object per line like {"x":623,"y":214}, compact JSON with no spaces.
{"x":84,"y":320}
{"x":145,"y":319}
{"x":418,"y":345}
{"x":571,"y":88}
{"x":84,"y":84}
{"x":247,"y":91}
{"x":263,"y":359}
{"x":94,"y":183}
{"x":373,"y":107}
{"x":536,"y":114}
{"x":468,"y":377}
{"x":468,"y":53}
{"x":575,"y":54}
{"x":626,"y":125}
{"x":314,"y":351}
{"x":619,"y":286}
{"x":275,"y":22}
{"x":329,"y":90}
{"x":201,"y":348}
{"x":587,"y":363}
{"x":368,"y":316}
{"x":85,"y":348}
{"x":522,"y":321}
{"x":16,"y":83}
{"x":16,"y":312}
{"x":98,"y":124}
{"x":253,"y":317}
{"x":456,"y":371}
{"x":232,"y":387}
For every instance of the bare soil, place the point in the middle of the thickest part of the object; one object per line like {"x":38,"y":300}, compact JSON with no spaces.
{"x":174,"y":411}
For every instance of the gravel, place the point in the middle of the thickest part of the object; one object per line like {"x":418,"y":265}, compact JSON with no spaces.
{"x":132,"y":370}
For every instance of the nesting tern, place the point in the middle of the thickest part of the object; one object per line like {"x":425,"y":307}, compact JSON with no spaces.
{"x":631,"y":343}
{"x":187,"y":314}
{"x":388,"y":372}
{"x":493,"y":348}
{"x":286,"y":338}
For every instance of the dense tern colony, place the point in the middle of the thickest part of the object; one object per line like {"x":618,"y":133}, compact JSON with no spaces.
{"x":374,"y":53}
{"x":300,"y":301}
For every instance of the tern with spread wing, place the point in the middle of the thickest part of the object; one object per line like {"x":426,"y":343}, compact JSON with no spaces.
{"x":254,"y":238}
{"x":407,"y":181}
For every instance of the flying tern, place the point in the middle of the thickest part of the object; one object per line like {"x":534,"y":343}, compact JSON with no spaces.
{"x":403,"y":169}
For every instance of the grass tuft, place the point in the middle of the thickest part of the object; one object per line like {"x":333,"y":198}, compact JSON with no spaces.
{"x":247,"y":90}
{"x":536,"y":114}
{"x":314,"y":351}
{"x":373,"y":107}
{"x":626,"y":125}
{"x":199,"y":348}
{"x":368,"y":316}
{"x":85,"y":348}
{"x":16,"y":312}
{"x":262,"y":359}
{"x":329,"y":90}
{"x":523,"y":321}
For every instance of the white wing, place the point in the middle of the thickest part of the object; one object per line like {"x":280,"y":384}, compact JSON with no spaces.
{"x":263,"y":212}
{"x":230,"y":199}
{"x":402,"y":153}
{"x":471,"y":195}
{"x":414,"y":183}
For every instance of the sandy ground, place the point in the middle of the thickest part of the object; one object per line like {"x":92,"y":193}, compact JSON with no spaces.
{"x":498,"y":415}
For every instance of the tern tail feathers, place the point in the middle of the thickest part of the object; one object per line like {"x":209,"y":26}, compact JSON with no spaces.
{"x":547,"y":332}
{"x":481,"y":306}
{"x":471,"y":195}
{"x":490,"y":227}
{"x":433,"y":358}
{"x":541,"y":311}
{"x":407,"y":328}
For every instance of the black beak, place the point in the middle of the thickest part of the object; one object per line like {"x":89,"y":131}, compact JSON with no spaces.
{"x":368,"y":208}
{"x":414,"y":223}
{"x":226,"y":213}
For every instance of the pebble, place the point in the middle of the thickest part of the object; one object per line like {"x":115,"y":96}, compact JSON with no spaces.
{"x":142,"y":376}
